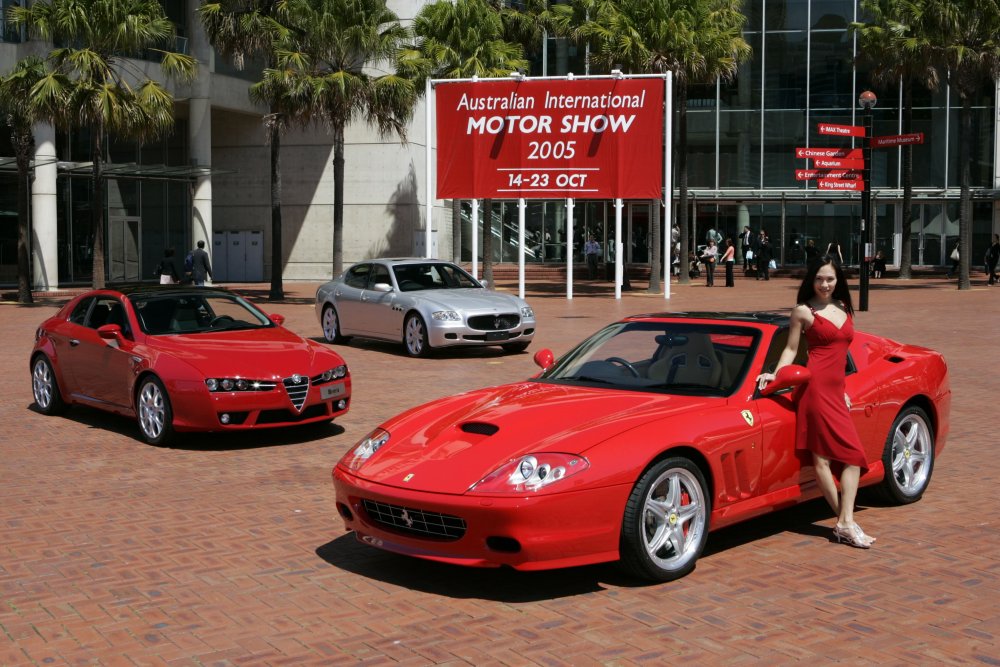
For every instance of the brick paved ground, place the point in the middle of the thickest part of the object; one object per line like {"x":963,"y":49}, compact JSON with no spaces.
{"x":227,"y":550}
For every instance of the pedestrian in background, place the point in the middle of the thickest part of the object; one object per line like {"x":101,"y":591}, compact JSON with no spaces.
{"x":729,"y":259}
{"x":591,"y":252}
{"x":167,"y":269}
{"x":825,"y":316}
{"x":762,"y":255}
{"x":708,"y":257}
{"x":201,"y":266}
{"x":811,"y":251}
{"x":955,"y":256}
{"x":833,"y":249}
{"x":992,"y":259}
{"x":746,"y":247}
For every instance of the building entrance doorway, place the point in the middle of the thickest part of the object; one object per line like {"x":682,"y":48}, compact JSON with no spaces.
{"x":124,"y":242}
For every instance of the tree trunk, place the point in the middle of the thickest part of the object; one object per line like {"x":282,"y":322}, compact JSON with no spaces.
{"x":338,"y":199}
{"x":23,"y":143}
{"x":456,"y":230}
{"x":682,"y":179}
{"x":488,"y":242}
{"x":654,"y":249}
{"x":905,"y":253}
{"x":965,"y":205}
{"x":277,"y":292}
{"x":97,"y":205}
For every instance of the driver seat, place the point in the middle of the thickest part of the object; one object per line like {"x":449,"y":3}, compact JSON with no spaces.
{"x":696,"y":362}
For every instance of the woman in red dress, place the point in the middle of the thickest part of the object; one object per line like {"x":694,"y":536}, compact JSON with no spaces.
{"x":825,"y":316}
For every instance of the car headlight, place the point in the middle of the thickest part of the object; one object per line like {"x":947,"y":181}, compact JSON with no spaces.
{"x":527,"y":313}
{"x":531,"y":473}
{"x":446,"y":316}
{"x":365,"y":449}
{"x":333,"y":373}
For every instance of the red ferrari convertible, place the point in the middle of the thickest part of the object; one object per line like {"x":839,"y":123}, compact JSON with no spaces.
{"x":184,"y":359}
{"x":631,"y":448}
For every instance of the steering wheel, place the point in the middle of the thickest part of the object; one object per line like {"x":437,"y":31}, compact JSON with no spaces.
{"x":625,"y":363}
{"x":221,"y":319}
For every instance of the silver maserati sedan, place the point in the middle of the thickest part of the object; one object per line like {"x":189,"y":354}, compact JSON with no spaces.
{"x":425,"y":303}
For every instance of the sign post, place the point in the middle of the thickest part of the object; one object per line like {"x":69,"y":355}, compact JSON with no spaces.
{"x":867,"y":100}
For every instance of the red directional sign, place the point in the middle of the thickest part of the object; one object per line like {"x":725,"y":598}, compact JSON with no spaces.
{"x":834,"y":184}
{"x":837,"y":163}
{"x":897,"y":140}
{"x":852,"y":153}
{"x":841,"y":130}
{"x":812,"y":174}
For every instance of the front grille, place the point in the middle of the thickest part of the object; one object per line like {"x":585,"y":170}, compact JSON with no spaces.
{"x":297,"y":387}
{"x":418,"y":523}
{"x":287,"y":416}
{"x":494,"y":322}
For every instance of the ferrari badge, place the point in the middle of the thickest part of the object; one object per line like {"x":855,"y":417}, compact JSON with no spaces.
{"x":748,"y":416}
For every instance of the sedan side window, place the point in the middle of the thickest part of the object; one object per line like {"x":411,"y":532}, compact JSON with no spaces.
{"x":380,"y":274}
{"x":108,"y":311}
{"x":357,"y":276}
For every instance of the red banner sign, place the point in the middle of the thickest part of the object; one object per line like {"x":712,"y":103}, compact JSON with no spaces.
{"x":837,"y":163}
{"x":898,"y":140}
{"x":841,"y":130}
{"x":812,"y":174}
{"x":853,"y":153}
{"x":543,"y":139}
{"x":835,"y":184}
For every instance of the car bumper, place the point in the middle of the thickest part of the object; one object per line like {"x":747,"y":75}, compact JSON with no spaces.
{"x":526,"y":533}
{"x":199,"y":410}
{"x":445,"y":334}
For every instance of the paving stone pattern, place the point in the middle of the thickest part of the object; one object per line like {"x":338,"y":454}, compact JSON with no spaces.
{"x":226,"y":550}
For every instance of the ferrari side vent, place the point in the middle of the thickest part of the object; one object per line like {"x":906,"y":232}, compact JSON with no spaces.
{"x":895,"y":359}
{"x":480,"y":428}
{"x":297,"y":387}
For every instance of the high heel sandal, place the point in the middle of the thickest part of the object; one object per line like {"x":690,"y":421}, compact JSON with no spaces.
{"x":852,"y":535}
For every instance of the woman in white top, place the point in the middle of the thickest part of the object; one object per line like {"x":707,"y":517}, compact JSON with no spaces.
{"x":708,"y":257}
{"x":729,"y":258}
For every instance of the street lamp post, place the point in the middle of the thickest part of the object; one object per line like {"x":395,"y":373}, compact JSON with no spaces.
{"x":867,"y":101}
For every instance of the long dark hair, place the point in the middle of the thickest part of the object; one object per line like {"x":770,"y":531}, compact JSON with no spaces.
{"x":807,"y":289}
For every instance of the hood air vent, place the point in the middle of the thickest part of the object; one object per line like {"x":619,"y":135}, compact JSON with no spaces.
{"x":480,"y":428}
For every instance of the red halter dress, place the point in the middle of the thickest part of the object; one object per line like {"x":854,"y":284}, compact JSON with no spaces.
{"x":824,"y":424}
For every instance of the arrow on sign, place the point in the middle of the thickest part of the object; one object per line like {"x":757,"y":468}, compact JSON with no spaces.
{"x":811,"y":174}
{"x":852,"y":153}
{"x":831,"y":184}
{"x":838,"y":163}
{"x":841,"y":130}
{"x":898,"y":140}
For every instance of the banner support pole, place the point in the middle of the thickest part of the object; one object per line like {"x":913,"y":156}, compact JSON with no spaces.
{"x":569,"y":249}
{"x":428,"y":92}
{"x":619,"y":260}
{"x":475,"y":239}
{"x":668,"y":191}
{"x":522,"y":206}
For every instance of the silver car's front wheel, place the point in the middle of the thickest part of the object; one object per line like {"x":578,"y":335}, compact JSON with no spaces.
{"x":665,"y":527}
{"x":153,"y":412}
{"x":331,"y":326}
{"x":415,"y":336}
{"x":908,"y":457}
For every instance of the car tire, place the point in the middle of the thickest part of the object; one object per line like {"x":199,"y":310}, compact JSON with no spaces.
{"x":665,"y":527}
{"x":153,"y":411}
{"x":515,"y":348}
{"x":331,"y":326}
{"x":415,"y":336}
{"x":45,"y":387}
{"x":908,"y":458}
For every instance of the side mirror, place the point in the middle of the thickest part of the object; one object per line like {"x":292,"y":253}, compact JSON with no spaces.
{"x":382,"y":287}
{"x":109,"y":331}
{"x":277,"y":319}
{"x":485,"y":284}
{"x":787,"y":377}
{"x":545,"y":358}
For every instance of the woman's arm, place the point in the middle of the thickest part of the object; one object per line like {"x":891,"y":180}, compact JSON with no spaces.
{"x":795,"y":326}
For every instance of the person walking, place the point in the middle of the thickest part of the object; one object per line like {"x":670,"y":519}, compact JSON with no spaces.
{"x":729,"y":259}
{"x":591,"y":252}
{"x":833,"y":249}
{"x":167,"y":269}
{"x":824,"y":314}
{"x":708,"y":257}
{"x":992,"y":259}
{"x":878,"y":265}
{"x":746,"y":247}
{"x":201,"y":266}
{"x":955,"y":256}
{"x":762,"y":255}
{"x":811,"y":251}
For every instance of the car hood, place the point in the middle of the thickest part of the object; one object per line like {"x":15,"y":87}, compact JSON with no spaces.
{"x":471,"y":299}
{"x":264,"y":354}
{"x":447,"y":446}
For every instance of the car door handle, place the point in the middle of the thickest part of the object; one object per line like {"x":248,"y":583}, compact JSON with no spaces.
{"x":364,"y":298}
{"x":73,"y":342}
{"x":337,"y":293}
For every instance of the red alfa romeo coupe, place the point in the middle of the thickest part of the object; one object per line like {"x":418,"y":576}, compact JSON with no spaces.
{"x":631,"y":448}
{"x":184,"y":359}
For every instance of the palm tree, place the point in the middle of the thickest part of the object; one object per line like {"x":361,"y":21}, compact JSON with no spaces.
{"x":16,"y":109}
{"x":458,"y":41}
{"x":243,"y":29}
{"x":336,"y":57}
{"x":963,"y":40}
{"x":899,"y":54}
{"x":94,"y":82}
{"x":698,"y":41}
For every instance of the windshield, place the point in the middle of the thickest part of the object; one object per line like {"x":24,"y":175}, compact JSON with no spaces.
{"x":195,"y":313}
{"x":415,"y":277}
{"x":708,"y":359}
